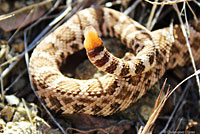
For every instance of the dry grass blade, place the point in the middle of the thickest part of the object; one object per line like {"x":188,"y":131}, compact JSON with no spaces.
{"x":156,"y":17}
{"x":158,"y":108}
{"x":183,"y":94}
{"x":189,"y":77}
{"x":27,"y":111}
{"x":132,"y":7}
{"x":178,"y":125}
{"x":167,"y":2}
{"x":151,"y":16}
{"x":195,"y":17}
{"x":198,"y":3}
{"x":3,"y":48}
{"x":161,"y":92}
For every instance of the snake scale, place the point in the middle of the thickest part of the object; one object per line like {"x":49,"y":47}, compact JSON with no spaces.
{"x":126,"y":79}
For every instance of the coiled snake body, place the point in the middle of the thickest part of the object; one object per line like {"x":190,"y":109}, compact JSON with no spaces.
{"x":126,"y":80}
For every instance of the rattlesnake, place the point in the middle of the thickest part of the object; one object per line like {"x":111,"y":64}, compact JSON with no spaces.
{"x":126,"y":80}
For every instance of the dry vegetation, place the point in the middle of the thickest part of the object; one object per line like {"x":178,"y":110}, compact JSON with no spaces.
{"x":24,"y":23}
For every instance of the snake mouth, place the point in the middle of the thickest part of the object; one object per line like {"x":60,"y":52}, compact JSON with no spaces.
{"x":78,"y":65}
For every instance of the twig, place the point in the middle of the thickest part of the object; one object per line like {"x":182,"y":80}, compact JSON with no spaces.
{"x":87,"y":131}
{"x":169,"y":2}
{"x":101,"y":128}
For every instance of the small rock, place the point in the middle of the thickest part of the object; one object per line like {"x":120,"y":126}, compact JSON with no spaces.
{"x":11,"y":99}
